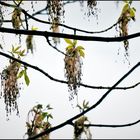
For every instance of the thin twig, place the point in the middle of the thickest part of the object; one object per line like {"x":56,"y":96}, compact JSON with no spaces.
{"x":54,"y":47}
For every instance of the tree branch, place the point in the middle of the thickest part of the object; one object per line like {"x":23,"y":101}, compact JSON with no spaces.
{"x":89,"y":109}
{"x":62,"y":81}
{"x":112,"y":126}
{"x":70,"y":36}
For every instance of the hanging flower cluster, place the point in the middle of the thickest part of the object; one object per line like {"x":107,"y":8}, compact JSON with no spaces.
{"x":10,"y":89}
{"x":80,"y":124}
{"x":29,"y":41}
{"x":38,"y":121}
{"x":9,"y":83}
{"x":126,"y":16}
{"x":16,"y":18}
{"x":55,"y":12}
{"x":73,"y":66}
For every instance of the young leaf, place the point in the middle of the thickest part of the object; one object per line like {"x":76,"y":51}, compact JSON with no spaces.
{"x":44,"y":115}
{"x":80,"y":48}
{"x":81,"y":53}
{"x":74,"y":42}
{"x":69,"y":47}
{"x":132,"y":13}
{"x":34,"y":28}
{"x":125,"y":8}
{"x":50,"y":116}
{"x":17,"y":48}
{"x":68,"y":41}
{"x":20,"y":74}
{"x":22,"y":53}
{"x":26,"y":78}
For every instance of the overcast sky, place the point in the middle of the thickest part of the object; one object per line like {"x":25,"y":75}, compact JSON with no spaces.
{"x":102,"y":66}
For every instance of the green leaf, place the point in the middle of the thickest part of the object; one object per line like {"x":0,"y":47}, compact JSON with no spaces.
{"x":34,"y":28}
{"x":134,"y":9}
{"x":132,"y":13}
{"x":20,"y":74}
{"x":44,"y":115}
{"x":125,"y":8}
{"x":17,"y":48}
{"x":80,"y":48}
{"x":50,"y":116}
{"x":81,"y":53}
{"x":26,"y":78}
{"x":69,"y":47}
{"x":68,"y":41}
{"x":74,"y":42}
{"x":22,"y":53}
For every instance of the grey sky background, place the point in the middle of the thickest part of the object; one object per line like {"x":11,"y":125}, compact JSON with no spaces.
{"x":102,"y":66}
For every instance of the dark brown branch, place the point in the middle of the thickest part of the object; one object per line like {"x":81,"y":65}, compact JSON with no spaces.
{"x":112,"y":126}
{"x":104,"y":87}
{"x":70,"y":36}
{"x":62,"y":81}
{"x":89,"y":109}
{"x":63,"y":25}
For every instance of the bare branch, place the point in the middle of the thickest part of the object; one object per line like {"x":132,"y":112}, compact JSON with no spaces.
{"x":89,"y":109}
{"x":104,"y":87}
{"x":70,"y":36}
{"x":113,"y":126}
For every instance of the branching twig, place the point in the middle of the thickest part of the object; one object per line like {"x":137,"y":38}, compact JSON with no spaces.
{"x":89,"y":109}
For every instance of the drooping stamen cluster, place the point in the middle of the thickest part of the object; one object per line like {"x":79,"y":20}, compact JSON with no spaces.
{"x":73,"y":73}
{"x":55,"y":12}
{"x":16,"y":18}
{"x":38,"y":121}
{"x":80,"y":128}
{"x":126,"y":16}
{"x":73,"y":66}
{"x":10,"y":89}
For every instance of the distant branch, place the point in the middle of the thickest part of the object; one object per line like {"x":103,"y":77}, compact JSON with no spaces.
{"x":62,"y":81}
{"x":89,"y":109}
